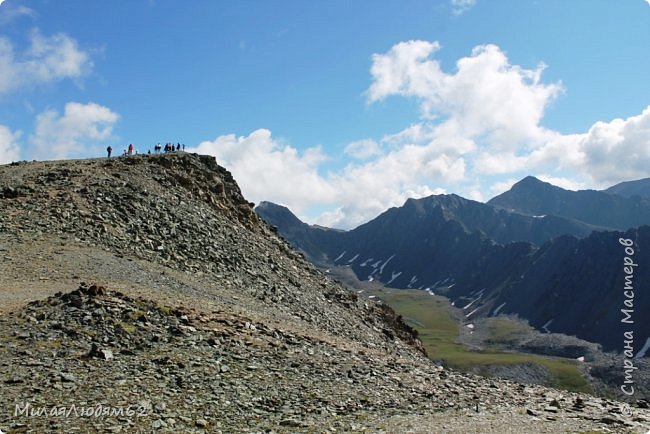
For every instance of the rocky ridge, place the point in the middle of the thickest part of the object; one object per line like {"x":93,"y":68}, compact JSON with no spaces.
{"x":204,"y":320}
{"x":182,"y":211}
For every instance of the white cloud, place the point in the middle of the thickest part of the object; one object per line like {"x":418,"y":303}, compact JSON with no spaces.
{"x":618,"y":150}
{"x":486,"y":97}
{"x":492,"y":163}
{"x":363,"y":149}
{"x":502,"y":186}
{"x":12,"y":11}
{"x":405,"y":70}
{"x":608,"y":153}
{"x":460,"y":6}
{"x":9,"y":147}
{"x":266,"y":169}
{"x":487,"y":107}
{"x":48,"y":59}
{"x":75,"y":133}
{"x":365,"y":190}
{"x":479,"y":132}
{"x":562,"y":182}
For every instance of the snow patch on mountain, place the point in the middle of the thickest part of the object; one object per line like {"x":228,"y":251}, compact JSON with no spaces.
{"x":393,"y":277}
{"x":496,"y":311}
{"x":545,"y":326}
{"x":381,"y":270}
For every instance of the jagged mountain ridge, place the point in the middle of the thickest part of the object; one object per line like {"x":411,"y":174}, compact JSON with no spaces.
{"x":499,"y":225}
{"x":534,"y":197}
{"x":408,"y":248}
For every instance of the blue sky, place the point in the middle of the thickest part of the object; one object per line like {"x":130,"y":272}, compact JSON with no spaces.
{"x":338,"y":109}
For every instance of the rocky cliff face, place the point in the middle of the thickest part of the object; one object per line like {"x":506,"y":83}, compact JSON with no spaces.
{"x":203,"y":320}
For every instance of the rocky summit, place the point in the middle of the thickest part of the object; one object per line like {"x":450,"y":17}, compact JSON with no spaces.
{"x":143,"y":294}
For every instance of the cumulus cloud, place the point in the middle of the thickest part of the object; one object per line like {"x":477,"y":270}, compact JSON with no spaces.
{"x":565,"y":183}
{"x":618,"y":150}
{"x":486,"y":97}
{"x":365,"y":190}
{"x":48,"y":59}
{"x":479,"y":131}
{"x":502,"y":186}
{"x":267,"y":169}
{"x":363,"y":149}
{"x":460,"y":6}
{"x":489,"y":112}
{"x":75,"y":133}
{"x":405,"y":70}
{"x":9,"y":147}
{"x":487,"y":107}
{"x":11,"y":11}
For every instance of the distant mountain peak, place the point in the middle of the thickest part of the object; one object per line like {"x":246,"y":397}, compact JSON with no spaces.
{"x":533,"y":182}
{"x":602,"y":210}
{"x":530,"y":178}
{"x":267,"y":204}
{"x":282,"y":215}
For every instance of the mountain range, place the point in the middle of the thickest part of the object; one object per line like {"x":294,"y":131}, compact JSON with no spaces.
{"x":551,"y":256}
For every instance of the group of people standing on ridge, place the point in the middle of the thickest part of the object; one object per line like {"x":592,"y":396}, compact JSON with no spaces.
{"x":169,"y":147}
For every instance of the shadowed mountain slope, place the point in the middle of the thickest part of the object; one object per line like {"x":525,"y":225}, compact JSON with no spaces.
{"x":566,"y":285}
{"x":639,"y":187}
{"x":534,"y":197}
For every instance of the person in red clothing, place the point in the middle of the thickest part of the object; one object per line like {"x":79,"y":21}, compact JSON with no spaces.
{"x":131,"y":149}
